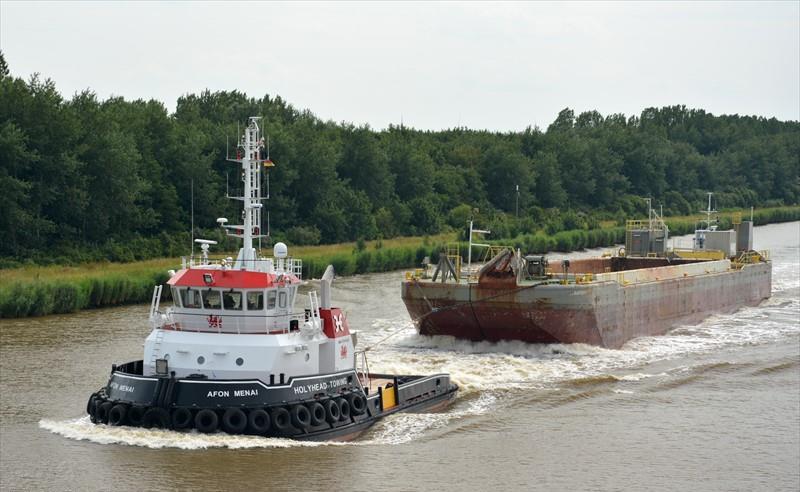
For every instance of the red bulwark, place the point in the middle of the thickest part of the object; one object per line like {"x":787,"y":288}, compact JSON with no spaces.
{"x":227,"y":279}
{"x":334,"y":323}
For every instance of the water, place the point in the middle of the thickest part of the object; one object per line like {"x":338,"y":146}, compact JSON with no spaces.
{"x":715,"y":406}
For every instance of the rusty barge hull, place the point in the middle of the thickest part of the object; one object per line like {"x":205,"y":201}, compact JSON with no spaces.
{"x":608,"y":311}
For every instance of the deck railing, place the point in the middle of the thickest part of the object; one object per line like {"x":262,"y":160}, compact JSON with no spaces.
{"x":267,"y":265}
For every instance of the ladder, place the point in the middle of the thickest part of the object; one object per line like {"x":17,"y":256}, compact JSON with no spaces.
{"x":154,"y":303}
{"x":156,"y":347}
{"x":313,"y":301}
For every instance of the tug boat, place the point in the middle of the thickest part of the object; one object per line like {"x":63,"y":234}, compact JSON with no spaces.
{"x":231,"y":354}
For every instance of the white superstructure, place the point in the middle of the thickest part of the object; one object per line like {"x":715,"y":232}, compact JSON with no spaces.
{"x":234,"y":319}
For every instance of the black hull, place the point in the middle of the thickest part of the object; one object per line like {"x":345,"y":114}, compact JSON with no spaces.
{"x":321,"y":407}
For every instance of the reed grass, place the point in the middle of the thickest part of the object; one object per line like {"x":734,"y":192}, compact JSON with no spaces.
{"x":42,"y":290}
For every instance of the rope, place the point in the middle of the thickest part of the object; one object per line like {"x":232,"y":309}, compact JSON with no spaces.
{"x":390,"y":335}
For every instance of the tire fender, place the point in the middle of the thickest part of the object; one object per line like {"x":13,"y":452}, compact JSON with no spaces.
{"x":206,"y":421}
{"x":117,"y":414}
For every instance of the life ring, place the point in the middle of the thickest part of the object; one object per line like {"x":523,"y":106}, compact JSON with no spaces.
{"x":358,"y":404}
{"x":301,"y":416}
{"x":136,"y":414}
{"x":101,"y":411}
{"x":344,"y":409}
{"x":155,"y":417}
{"x":317,"y":412}
{"x":280,"y":418}
{"x":206,"y":421}
{"x":258,"y":421}
{"x":332,"y":411}
{"x":116,"y":416}
{"x":181,"y":418}
{"x":234,"y":421}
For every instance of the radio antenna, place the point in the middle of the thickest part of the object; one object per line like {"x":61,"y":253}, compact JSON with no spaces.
{"x":192,"y":207}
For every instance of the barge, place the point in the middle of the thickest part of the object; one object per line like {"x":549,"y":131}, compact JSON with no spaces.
{"x":644,"y":289}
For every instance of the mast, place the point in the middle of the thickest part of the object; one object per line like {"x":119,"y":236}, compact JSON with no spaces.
{"x":709,"y":211}
{"x":248,"y":154}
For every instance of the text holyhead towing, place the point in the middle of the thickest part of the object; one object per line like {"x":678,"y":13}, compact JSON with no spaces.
{"x":231,"y":354}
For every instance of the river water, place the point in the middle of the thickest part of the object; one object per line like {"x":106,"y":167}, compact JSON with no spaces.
{"x":714,"y":406}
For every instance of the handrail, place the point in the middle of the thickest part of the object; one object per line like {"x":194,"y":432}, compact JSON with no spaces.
{"x":279,"y":265}
{"x":364,"y":368}
{"x":750,"y":257}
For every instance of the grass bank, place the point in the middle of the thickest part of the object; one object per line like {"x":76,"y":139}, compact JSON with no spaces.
{"x":52,"y":289}
{"x":41,"y":290}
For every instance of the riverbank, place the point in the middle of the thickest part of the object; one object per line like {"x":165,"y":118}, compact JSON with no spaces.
{"x":54,"y":289}
{"x":42,"y":290}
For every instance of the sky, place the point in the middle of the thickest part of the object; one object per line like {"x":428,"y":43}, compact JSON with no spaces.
{"x":496,"y":66}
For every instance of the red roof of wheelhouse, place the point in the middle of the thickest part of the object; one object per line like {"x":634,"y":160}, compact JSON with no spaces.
{"x":227,"y":279}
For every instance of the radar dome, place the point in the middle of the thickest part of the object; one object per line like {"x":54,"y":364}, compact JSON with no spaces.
{"x":280,"y":250}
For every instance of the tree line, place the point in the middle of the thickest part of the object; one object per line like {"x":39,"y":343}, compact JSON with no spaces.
{"x":86,"y":179}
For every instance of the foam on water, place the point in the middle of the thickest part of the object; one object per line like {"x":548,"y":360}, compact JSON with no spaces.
{"x":622,"y":392}
{"x":83,"y":429}
{"x":406,"y":427}
{"x":395,"y":429}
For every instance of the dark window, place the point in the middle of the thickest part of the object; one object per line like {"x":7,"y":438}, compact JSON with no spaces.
{"x":190,"y":298}
{"x":176,"y":296}
{"x":282,"y":299}
{"x":211,"y":299}
{"x":271,"y":296}
{"x":255,"y":301}
{"x":232,"y":300}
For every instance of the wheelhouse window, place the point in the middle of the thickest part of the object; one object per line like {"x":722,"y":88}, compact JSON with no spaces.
{"x":232,"y":300}
{"x":271,"y":296}
{"x":176,"y":296}
{"x":282,"y":299}
{"x":255,"y":301}
{"x":190,"y":298}
{"x":212,"y":299}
